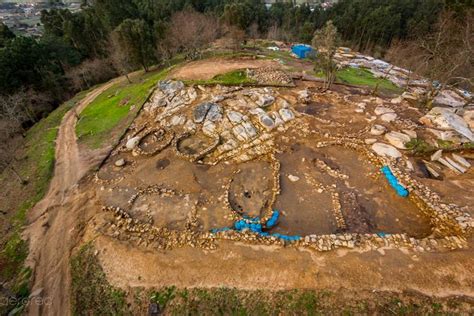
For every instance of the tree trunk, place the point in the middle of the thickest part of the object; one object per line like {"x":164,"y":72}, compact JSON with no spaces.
{"x":128,"y":78}
{"x":22,"y":181}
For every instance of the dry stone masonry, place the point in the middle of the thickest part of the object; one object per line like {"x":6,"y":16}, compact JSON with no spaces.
{"x":228,"y":126}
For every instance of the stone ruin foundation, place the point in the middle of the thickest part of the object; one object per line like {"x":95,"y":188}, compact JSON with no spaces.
{"x":231,"y":128}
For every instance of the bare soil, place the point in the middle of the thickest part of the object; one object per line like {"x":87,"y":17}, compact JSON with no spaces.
{"x":52,"y":229}
{"x":209,"y":68}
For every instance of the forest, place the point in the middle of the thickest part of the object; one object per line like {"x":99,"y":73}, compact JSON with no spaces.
{"x":111,"y":37}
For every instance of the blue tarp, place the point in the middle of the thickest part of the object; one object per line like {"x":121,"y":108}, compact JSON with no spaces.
{"x":302,"y":51}
{"x":392,"y":180}
{"x":255,"y":225}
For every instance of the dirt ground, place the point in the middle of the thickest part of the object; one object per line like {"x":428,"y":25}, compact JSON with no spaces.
{"x":209,"y":68}
{"x":71,"y":212}
{"x":52,"y":231}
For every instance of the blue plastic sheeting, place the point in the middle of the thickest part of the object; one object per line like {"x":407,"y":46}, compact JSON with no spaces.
{"x":302,"y":51}
{"x":392,"y":180}
{"x":254,"y":225}
{"x":273,"y":220}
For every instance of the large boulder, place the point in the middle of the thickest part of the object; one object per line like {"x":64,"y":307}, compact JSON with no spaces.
{"x":170,"y":87}
{"x":449,"y":98}
{"x":397,"y":139}
{"x":386,"y":150}
{"x":378,"y":130}
{"x":468,"y":117}
{"x":207,"y":111}
{"x":447,"y":119}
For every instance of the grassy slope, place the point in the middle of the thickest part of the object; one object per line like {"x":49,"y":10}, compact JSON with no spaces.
{"x":237,"y":77}
{"x":363,"y":77}
{"x":36,"y":166}
{"x":109,"y":111}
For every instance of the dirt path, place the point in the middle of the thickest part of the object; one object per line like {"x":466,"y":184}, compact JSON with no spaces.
{"x":209,"y":68}
{"x":52,"y":229}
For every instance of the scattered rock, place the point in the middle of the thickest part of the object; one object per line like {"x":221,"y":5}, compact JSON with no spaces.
{"x":378,"y":130}
{"x":283,"y":104}
{"x":286,"y":114}
{"x":389,"y":117}
{"x":235,"y":117}
{"x":170,"y":86}
{"x":267,"y":122}
{"x":177,"y":120}
{"x":380,"y":110}
{"x":120,"y":162}
{"x":245,"y":131}
{"x":462,"y":161}
{"x":304,"y":95}
{"x":397,"y":139}
{"x":385,"y":150}
{"x":370,"y":141}
{"x":456,"y":165}
{"x":132,"y":142}
{"x":396,"y":100}
{"x":449,"y":98}
{"x":410,"y":133}
{"x":449,"y":165}
{"x":215,"y":113}
{"x":190,"y":126}
{"x":293,"y":178}
{"x":265,"y":100}
{"x":200,"y":112}
{"x":209,"y":128}
{"x":437,"y":155}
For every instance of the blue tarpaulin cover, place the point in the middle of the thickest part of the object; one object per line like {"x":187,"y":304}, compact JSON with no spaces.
{"x":302,"y":51}
{"x":255,"y":225}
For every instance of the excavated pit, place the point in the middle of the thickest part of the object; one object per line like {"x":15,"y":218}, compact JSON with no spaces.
{"x":245,"y":162}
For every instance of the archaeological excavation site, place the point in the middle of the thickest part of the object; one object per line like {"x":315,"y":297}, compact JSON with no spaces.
{"x":236,"y":157}
{"x":273,"y":164}
{"x":272,"y":184}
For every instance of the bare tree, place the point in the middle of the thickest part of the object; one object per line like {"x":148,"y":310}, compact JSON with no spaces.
{"x":326,"y":40}
{"x":189,"y":31}
{"x":254,"y":33}
{"x":445,"y":57}
{"x":234,"y":36}
{"x":277,"y":33}
{"x":119,"y":57}
{"x":90,"y":73}
{"x":18,"y":107}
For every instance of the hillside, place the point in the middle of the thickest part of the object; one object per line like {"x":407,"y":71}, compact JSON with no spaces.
{"x":225,"y":157}
{"x":158,"y":176}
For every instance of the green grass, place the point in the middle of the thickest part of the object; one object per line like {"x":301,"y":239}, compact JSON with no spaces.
{"x":363,"y":77}
{"x":111,"y":109}
{"x":36,"y":166}
{"x":231,"y":301}
{"x":281,"y":54}
{"x":419,"y":147}
{"x":91,"y":294}
{"x":233,"y":78}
